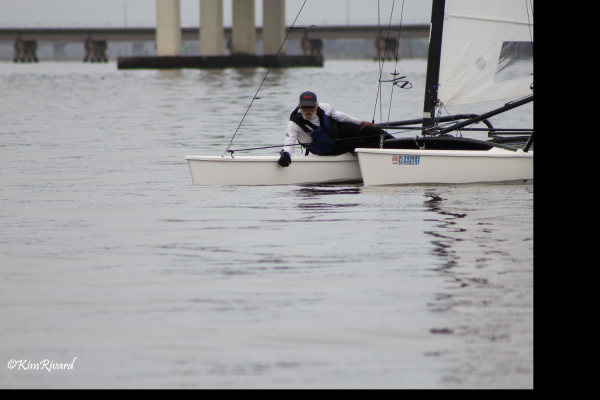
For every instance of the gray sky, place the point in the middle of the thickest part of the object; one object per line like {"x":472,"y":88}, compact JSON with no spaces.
{"x":143,"y":12}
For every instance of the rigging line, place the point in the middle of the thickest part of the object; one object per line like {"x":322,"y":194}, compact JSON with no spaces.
{"x":263,"y":81}
{"x":378,"y":61}
{"x":528,"y":21}
{"x":397,"y":57}
{"x":531,"y":4}
{"x":530,"y":34}
{"x":307,"y":144}
{"x":411,"y":131}
{"x":339,"y":140}
{"x":387,"y":38}
{"x":399,"y":31}
{"x":266,"y":147}
{"x":381,"y":62}
{"x":391,"y":95}
{"x":453,"y":120}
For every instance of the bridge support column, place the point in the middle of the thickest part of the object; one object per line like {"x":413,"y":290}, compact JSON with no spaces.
{"x":211,"y":28}
{"x":387,"y":48}
{"x":243,"y":33}
{"x":95,"y":50}
{"x":25,"y":50}
{"x":273,"y":26}
{"x":168,"y":28}
{"x":311,"y":47}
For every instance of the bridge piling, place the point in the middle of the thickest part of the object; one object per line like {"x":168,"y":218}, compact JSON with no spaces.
{"x":25,"y":51}
{"x":243,"y":31}
{"x":211,"y":28}
{"x":168,"y":28}
{"x":386,"y":48}
{"x":311,"y":47}
{"x":95,"y":50}
{"x":273,"y":32}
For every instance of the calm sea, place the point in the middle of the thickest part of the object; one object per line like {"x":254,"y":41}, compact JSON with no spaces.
{"x":115,"y":266}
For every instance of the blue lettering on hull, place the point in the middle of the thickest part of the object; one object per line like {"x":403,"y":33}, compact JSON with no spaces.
{"x":406,"y":160}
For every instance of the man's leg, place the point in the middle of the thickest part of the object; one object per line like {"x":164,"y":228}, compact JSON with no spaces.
{"x":353,"y":136}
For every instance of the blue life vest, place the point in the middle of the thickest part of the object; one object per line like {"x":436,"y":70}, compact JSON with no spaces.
{"x":322,"y":136}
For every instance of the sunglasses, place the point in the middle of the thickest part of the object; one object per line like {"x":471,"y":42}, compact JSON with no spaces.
{"x":307,"y":107}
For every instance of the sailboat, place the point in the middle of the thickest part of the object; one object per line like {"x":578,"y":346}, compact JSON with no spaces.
{"x":479,"y":50}
{"x":236,"y":170}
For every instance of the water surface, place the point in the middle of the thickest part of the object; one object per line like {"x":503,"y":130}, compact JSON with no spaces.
{"x":110,"y":255}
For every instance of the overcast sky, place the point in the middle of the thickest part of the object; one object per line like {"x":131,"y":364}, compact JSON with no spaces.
{"x":143,"y":12}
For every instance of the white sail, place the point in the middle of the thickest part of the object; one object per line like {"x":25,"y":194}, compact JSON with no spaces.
{"x":487,"y":50}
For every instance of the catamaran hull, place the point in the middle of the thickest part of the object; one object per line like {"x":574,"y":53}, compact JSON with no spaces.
{"x":264,"y":170}
{"x":397,"y":167}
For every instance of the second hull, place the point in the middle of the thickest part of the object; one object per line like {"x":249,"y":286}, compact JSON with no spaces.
{"x":393,"y":167}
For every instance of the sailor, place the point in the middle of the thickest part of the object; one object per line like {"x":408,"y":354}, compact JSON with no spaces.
{"x":324,"y":131}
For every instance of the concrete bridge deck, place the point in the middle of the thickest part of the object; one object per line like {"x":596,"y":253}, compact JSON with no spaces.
{"x":193,"y":33}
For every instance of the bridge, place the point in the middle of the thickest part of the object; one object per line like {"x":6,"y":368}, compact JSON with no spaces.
{"x":193,"y":33}
{"x":241,"y":38}
{"x":95,"y":40}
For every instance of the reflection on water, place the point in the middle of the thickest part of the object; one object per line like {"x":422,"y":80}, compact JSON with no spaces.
{"x":317,"y":191}
{"x":171,"y":74}
{"x":485,"y":311}
{"x":443,"y":241}
{"x":325,"y":206}
{"x":245,"y":77}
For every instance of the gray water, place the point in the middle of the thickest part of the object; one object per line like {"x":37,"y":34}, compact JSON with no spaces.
{"x":113,"y":262}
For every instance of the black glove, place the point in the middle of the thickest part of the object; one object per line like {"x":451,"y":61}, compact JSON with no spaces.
{"x":285,"y":160}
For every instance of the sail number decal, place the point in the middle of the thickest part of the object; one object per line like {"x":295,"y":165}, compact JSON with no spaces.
{"x":406,"y":160}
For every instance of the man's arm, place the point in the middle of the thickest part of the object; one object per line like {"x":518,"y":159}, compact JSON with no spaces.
{"x":342,"y":117}
{"x":291,"y":135}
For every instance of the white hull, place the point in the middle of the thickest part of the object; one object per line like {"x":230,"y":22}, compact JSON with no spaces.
{"x":264,"y":170}
{"x":396,"y":166}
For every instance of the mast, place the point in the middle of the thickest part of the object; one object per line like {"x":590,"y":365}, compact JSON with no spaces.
{"x":433,"y":62}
